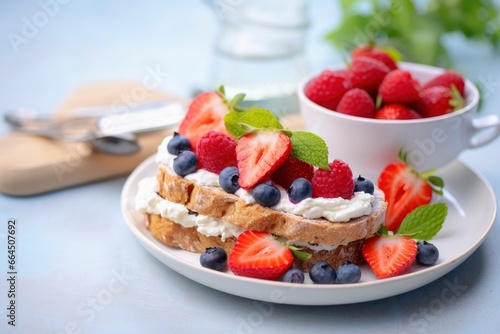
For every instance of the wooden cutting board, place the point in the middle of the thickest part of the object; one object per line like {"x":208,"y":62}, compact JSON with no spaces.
{"x":31,"y":165}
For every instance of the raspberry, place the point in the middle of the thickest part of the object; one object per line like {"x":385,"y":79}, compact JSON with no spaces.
{"x":290,"y":170}
{"x":216,"y":151}
{"x":336,"y":182}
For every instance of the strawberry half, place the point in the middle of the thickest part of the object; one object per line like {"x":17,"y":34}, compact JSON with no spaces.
{"x":258,"y":255}
{"x":259,"y":154}
{"x":205,"y":113}
{"x":389,"y":256}
{"x":405,"y":190}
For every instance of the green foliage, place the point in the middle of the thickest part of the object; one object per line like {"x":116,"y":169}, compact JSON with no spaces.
{"x":416,"y":31}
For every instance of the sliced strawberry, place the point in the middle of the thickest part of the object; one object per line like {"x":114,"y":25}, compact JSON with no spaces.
{"x":258,"y":255}
{"x":405,"y":190}
{"x":259,"y":154}
{"x":389,"y":256}
{"x":206,"y":112}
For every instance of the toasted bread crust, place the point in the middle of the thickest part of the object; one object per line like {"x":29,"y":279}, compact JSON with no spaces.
{"x":214,"y":202}
{"x":190,"y":239}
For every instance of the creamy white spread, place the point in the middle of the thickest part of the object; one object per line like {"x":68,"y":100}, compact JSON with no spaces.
{"x":333,"y":209}
{"x":148,"y":201}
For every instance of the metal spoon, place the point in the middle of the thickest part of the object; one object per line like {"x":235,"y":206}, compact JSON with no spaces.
{"x":120,"y":144}
{"x":112,"y":134}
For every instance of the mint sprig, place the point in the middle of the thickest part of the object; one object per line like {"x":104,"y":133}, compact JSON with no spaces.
{"x":310,"y":148}
{"x":306,"y":146}
{"x":423,"y":223}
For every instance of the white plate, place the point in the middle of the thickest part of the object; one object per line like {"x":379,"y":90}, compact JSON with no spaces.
{"x":465,"y":228}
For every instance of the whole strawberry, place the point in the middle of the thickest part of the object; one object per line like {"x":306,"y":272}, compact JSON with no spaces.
{"x":447,"y":79}
{"x":357,"y":102}
{"x":333,"y":183}
{"x":367,"y":73}
{"x":378,"y":54}
{"x":439,"y":100}
{"x":396,"y":111}
{"x":216,"y":151}
{"x":399,"y":86}
{"x":327,"y":88}
{"x":291,"y":170}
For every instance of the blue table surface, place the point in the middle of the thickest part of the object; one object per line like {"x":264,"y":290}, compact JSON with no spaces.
{"x":74,"y":246}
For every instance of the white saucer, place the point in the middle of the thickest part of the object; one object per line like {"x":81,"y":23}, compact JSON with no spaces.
{"x":465,"y":228}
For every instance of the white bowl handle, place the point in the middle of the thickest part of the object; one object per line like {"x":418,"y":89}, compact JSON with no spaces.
{"x":491,"y":123}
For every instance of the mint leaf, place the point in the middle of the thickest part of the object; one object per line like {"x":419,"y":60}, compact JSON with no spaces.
{"x":260,"y":118}
{"x":239,"y":123}
{"x":424,"y":222}
{"x":382,"y":231}
{"x":231,"y":120}
{"x":310,"y":148}
{"x":298,"y":253}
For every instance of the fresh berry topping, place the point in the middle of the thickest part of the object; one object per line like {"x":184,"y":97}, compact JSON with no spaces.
{"x":299,"y":190}
{"x":178,"y":143}
{"x":405,"y":189}
{"x":447,"y":79}
{"x":367,"y":73}
{"x":290,"y":170}
{"x":396,"y":111}
{"x":439,"y":100}
{"x":322,"y":273}
{"x":348,"y":273}
{"x":336,"y":182}
{"x":389,"y":255}
{"x":364,"y":185}
{"x":216,"y":151}
{"x":214,"y":258}
{"x":185,"y":163}
{"x":206,"y":112}
{"x":293,"y":275}
{"x":266,"y":194}
{"x":228,"y":179}
{"x":399,"y":87}
{"x":427,"y":254}
{"x":327,"y":88}
{"x":259,"y":255}
{"x":259,"y":154}
{"x":371,"y":52}
{"x":357,"y":102}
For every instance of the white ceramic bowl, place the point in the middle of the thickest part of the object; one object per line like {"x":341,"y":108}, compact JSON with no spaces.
{"x":368,"y":145}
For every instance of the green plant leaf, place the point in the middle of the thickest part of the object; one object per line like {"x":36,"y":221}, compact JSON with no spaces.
{"x":310,"y":148}
{"x":424,"y":222}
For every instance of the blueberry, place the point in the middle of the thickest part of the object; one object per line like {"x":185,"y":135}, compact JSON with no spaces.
{"x":185,"y":163}
{"x":299,"y":189}
{"x":228,"y":179}
{"x":348,"y":273}
{"x":427,"y":253}
{"x":322,"y":273}
{"x":293,"y":275}
{"x":214,"y":258}
{"x":266,"y":194}
{"x":362,"y":184}
{"x":178,"y":143}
